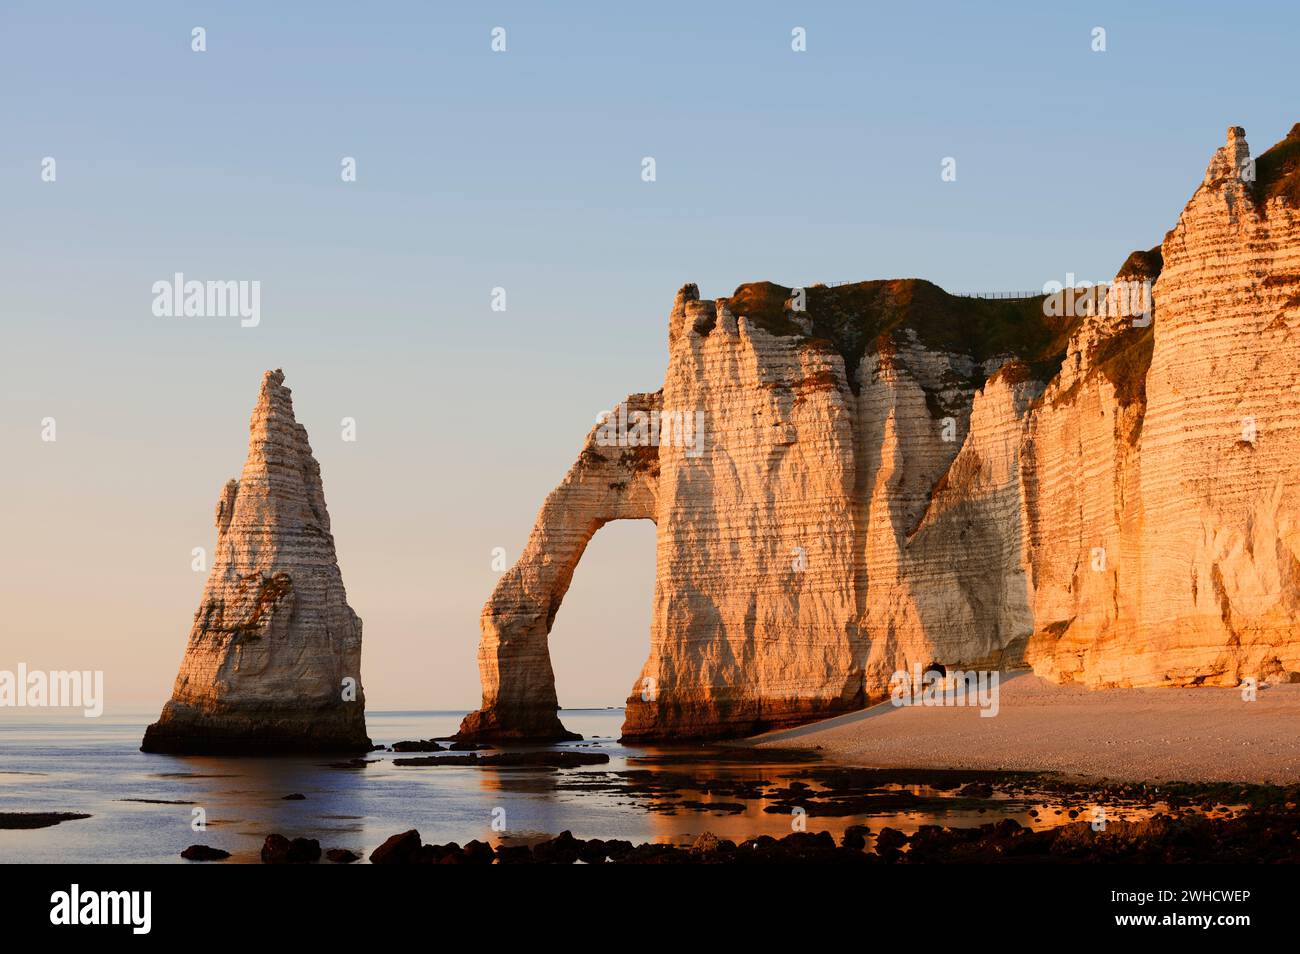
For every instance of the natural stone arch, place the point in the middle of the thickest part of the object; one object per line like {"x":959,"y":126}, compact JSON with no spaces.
{"x":607,"y":482}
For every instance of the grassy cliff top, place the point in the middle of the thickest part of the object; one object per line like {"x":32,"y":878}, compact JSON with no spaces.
{"x":1277,"y":171}
{"x":1141,"y":265}
{"x":862,"y":316}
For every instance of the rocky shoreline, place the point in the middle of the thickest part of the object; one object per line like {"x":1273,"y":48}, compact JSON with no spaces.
{"x":1264,"y":837}
{"x":1196,"y":824}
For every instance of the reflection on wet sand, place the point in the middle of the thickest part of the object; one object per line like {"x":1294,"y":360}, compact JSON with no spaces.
{"x":739,"y":794}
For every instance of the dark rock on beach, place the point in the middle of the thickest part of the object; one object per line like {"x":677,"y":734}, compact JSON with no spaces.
{"x":419,"y":745}
{"x":397,"y":850}
{"x":565,"y":849}
{"x":341,"y":856}
{"x":514,"y":855}
{"x":275,"y":850}
{"x":855,"y":837}
{"x":478,"y":853}
{"x":295,"y":797}
{"x":25,"y":820}
{"x":1260,"y":837}
{"x":204,"y":853}
{"x":279,"y":850}
{"x":304,"y":851}
{"x":540,"y":759}
{"x":1258,"y":824}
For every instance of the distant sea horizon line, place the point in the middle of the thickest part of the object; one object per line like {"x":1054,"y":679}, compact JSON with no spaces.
{"x":152,"y":713}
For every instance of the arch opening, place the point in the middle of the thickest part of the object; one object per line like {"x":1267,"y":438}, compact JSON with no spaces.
{"x":608,"y":482}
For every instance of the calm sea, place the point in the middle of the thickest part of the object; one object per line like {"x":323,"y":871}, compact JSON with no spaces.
{"x":143,"y":806}
{"x":53,"y":762}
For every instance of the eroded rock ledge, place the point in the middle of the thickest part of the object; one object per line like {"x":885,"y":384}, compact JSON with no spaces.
{"x":894,"y":475}
{"x":274,"y":638}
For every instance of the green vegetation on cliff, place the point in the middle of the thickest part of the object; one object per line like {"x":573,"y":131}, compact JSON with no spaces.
{"x":1277,"y":171}
{"x":865,"y":316}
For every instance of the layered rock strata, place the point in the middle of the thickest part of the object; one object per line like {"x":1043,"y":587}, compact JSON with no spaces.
{"x":608,"y":481}
{"x":1101,"y":486}
{"x":273,"y":663}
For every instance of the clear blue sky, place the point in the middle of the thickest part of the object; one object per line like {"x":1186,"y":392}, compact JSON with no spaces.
{"x":522,"y":170}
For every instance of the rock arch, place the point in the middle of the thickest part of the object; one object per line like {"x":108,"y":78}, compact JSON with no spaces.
{"x":607,"y":482}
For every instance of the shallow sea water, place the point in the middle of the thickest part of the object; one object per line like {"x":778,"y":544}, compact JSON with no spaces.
{"x":51,"y":763}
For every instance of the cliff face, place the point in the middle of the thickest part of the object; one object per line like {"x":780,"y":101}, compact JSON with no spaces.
{"x":889,"y":476}
{"x":274,"y":639}
{"x":1198,"y":500}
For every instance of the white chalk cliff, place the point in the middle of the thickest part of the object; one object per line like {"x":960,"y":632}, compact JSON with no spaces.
{"x":273,"y":663}
{"x":892,"y":476}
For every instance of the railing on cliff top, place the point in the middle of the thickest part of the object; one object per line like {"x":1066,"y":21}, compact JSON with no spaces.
{"x":1009,"y":294}
{"x":1014,"y":295}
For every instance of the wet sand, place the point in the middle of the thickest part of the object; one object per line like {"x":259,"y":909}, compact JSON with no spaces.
{"x":1146,"y":735}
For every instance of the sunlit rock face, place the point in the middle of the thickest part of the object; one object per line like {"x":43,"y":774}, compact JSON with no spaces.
{"x":1101,"y":487}
{"x":607,"y":482}
{"x":274,"y":656}
{"x":1197,"y":502}
{"x":754,"y":611}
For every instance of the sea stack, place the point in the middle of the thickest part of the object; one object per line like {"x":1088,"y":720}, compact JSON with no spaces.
{"x":273,"y":663}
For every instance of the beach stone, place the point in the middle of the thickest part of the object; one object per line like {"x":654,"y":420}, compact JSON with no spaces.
{"x":279,"y":850}
{"x":595,"y":851}
{"x":705,"y":843}
{"x":855,"y":837}
{"x":397,"y":850}
{"x":275,"y":850}
{"x":514,"y":854}
{"x":204,"y":853}
{"x":448,"y":854}
{"x":562,"y":849}
{"x":890,"y":838}
{"x":26,"y":820}
{"x":304,"y":851}
{"x":425,"y":745}
{"x":478,"y":853}
{"x":541,"y":758}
